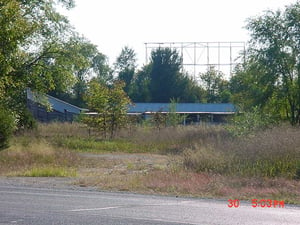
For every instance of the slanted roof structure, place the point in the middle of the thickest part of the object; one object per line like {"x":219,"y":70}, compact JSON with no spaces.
{"x":55,"y":103}
{"x":187,"y":108}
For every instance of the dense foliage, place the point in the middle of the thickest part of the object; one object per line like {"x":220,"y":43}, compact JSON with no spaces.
{"x":110,"y":105}
{"x":163,"y":79}
{"x":270,"y":76}
{"x":39,"y":50}
{"x":7,"y":126}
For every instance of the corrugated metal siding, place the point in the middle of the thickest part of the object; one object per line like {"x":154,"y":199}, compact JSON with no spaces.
{"x":221,"y":108}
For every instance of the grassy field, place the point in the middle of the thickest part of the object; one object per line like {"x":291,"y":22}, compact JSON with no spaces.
{"x":188,"y":161}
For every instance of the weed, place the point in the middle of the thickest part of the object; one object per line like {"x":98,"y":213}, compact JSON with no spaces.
{"x":94,"y":145}
{"x":49,"y":171}
{"x":24,"y":154}
{"x":270,"y":153}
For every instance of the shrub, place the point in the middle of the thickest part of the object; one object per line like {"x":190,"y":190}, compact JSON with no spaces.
{"x":7,"y":126}
{"x":26,"y":120}
{"x":205,"y":159}
{"x":250,"y":121}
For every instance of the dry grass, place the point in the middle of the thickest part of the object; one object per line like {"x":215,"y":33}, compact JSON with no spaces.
{"x":173,"y":140}
{"x":62,"y":130}
{"x":186,"y":161}
{"x":270,"y":153}
{"x":28,"y":154}
{"x":215,"y":186}
{"x":165,"y":175}
{"x":122,"y":172}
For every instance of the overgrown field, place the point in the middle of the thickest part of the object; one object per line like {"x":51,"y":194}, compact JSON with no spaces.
{"x":193,"y":160}
{"x":29,"y":156}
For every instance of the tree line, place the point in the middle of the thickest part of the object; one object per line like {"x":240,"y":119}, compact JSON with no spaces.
{"x":40,"y":50}
{"x":161,"y":80}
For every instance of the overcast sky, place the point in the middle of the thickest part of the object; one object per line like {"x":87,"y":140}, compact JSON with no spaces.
{"x":113,"y":24}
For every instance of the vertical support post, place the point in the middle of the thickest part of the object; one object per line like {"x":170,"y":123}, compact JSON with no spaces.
{"x":146,"y":46}
{"x":230,"y":60}
{"x":244,"y":53}
{"x":219,"y":56}
{"x":195,"y":59}
{"x":207,"y":46}
{"x":65,"y":115}
{"x":181,"y":57}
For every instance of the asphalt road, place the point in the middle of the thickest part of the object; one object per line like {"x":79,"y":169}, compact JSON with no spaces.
{"x":38,"y":206}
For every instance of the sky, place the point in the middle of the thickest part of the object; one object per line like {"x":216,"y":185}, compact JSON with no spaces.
{"x":114,"y":24}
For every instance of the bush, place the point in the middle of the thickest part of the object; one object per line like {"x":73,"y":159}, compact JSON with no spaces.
{"x":26,"y":120}
{"x":7,"y":126}
{"x":250,"y":121}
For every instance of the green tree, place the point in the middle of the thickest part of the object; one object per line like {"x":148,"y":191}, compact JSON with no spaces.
{"x":247,"y":89}
{"x":101,"y":69}
{"x":34,"y":53}
{"x":7,"y":126}
{"x":125,"y":67}
{"x":165,"y":72}
{"x":110,"y":104}
{"x":140,"y":91}
{"x":174,"y":118}
{"x":118,"y":104}
{"x":272,"y":63}
{"x":215,"y":86}
{"x":82,"y":70}
{"x":162,"y":79}
{"x":97,"y":101}
{"x":89,"y":63}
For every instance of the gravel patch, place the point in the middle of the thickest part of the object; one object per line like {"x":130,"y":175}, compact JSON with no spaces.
{"x":116,"y":162}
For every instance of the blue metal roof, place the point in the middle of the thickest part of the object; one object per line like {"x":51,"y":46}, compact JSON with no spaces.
{"x":212,"y":108}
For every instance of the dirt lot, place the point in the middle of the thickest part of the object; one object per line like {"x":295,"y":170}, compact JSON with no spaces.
{"x":96,"y":169}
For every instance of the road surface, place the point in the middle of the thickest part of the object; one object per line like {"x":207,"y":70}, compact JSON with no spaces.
{"x":38,"y":206}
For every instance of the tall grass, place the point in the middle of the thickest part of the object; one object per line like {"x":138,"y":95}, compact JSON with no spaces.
{"x":27,"y":154}
{"x":57,"y":129}
{"x":175,"y":140}
{"x":271,"y":153}
{"x":97,"y":146}
{"x":134,"y":140}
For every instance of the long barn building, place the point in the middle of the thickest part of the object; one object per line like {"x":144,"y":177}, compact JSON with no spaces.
{"x":194,"y":112}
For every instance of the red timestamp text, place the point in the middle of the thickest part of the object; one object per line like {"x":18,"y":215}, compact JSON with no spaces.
{"x":267,"y":203}
{"x":257,"y":203}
